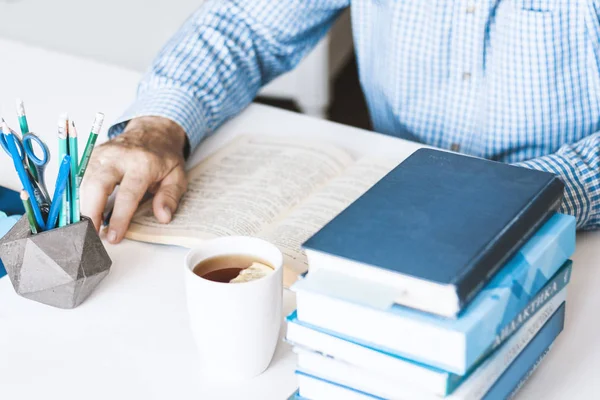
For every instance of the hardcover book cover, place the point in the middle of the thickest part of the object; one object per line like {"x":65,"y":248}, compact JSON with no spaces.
{"x":446,"y":219}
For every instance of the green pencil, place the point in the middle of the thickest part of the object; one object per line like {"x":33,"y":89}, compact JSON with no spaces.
{"x":74,"y":153}
{"x":29,"y":212}
{"x":22,"y":116}
{"x":63,"y":150}
{"x":89,"y":147}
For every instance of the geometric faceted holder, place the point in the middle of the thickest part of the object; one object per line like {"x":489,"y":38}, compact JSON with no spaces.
{"x":60,"y":267}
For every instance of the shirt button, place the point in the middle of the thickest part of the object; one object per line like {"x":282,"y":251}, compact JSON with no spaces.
{"x":471,"y":9}
{"x":455,"y":147}
{"x":466,"y":76}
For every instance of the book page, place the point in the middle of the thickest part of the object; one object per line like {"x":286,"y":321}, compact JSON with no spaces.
{"x":242,"y":189}
{"x":322,"y":206}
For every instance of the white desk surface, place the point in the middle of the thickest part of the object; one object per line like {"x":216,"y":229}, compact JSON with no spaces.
{"x":130,"y":339}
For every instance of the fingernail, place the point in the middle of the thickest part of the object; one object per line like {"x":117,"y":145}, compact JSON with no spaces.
{"x":112,"y":236}
{"x":168,"y":212}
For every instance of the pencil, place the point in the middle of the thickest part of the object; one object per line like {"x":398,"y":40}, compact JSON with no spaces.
{"x":60,"y":188}
{"x":29,"y":212}
{"x":89,"y":147}
{"x":22,"y":116}
{"x":63,"y":150}
{"x":73,"y":152}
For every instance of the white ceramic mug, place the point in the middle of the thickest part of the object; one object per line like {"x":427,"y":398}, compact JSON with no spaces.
{"x":235,"y":325}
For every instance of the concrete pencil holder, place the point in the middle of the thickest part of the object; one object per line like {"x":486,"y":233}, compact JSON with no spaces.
{"x":60,"y":267}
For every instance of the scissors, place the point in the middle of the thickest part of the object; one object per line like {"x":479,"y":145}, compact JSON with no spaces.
{"x":25,"y":149}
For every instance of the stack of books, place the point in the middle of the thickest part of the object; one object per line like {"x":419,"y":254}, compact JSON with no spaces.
{"x":447,"y":279}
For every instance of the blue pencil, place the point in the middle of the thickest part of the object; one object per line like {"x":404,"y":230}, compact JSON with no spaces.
{"x":18,"y":163}
{"x":61,"y":185}
{"x":64,"y":217}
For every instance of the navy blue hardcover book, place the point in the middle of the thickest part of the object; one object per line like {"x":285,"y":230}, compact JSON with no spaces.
{"x":10,"y":202}
{"x":437,"y":227}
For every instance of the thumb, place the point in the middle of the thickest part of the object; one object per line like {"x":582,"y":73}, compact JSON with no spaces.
{"x":168,"y":195}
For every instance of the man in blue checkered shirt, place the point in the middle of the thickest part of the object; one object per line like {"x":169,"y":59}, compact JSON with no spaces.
{"x":511,"y":80}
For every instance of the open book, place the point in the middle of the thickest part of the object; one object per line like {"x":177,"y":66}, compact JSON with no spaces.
{"x":281,"y":190}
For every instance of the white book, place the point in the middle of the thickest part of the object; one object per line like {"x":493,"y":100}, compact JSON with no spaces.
{"x":429,"y":379}
{"x":368,"y":381}
{"x":234,"y":191}
{"x":318,"y":389}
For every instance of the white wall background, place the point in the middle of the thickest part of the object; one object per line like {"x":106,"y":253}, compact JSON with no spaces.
{"x":129,"y":33}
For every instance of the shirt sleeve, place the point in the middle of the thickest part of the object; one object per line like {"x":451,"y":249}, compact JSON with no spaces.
{"x":225,"y":52}
{"x":578,"y":165}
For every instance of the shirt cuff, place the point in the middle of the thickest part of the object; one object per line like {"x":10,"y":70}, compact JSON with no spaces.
{"x":175,"y":104}
{"x":576,"y":201}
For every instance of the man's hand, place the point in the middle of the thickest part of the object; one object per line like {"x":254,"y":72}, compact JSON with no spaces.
{"x":147,"y":156}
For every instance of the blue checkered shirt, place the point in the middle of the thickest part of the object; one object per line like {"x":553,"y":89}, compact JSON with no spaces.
{"x":511,"y":80}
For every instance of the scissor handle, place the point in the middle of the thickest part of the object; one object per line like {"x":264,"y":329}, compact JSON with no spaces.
{"x":4,"y":142}
{"x":27,"y":139}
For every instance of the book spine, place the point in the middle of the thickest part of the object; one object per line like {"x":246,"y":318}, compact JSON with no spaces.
{"x":508,"y":242}
{"x":528,"y":374}
{"x":528,"y":360}
{"x":541,"y":298}
{"x":516,"y":360}
{"x":537,"y":302}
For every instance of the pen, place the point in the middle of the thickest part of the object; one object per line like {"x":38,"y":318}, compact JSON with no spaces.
{"x":29,"y":212}
{"x":63,"y":150}
{"x":89,"y":147}
{"x":61,"y":185}
{"x":74,"y":187}
{"x":25,"y":129}
{"x":18,"y":163}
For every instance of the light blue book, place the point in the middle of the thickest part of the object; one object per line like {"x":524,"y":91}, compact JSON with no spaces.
{"x":346,"y":350}
{"x":500,"y":376}
{"x":367,"y":312}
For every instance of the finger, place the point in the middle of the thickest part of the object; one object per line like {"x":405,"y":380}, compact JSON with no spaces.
{"x":95,"y":190}
{"x":132,"y":189}
{"x":154,"y":188}
{"x":169,"y":194}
